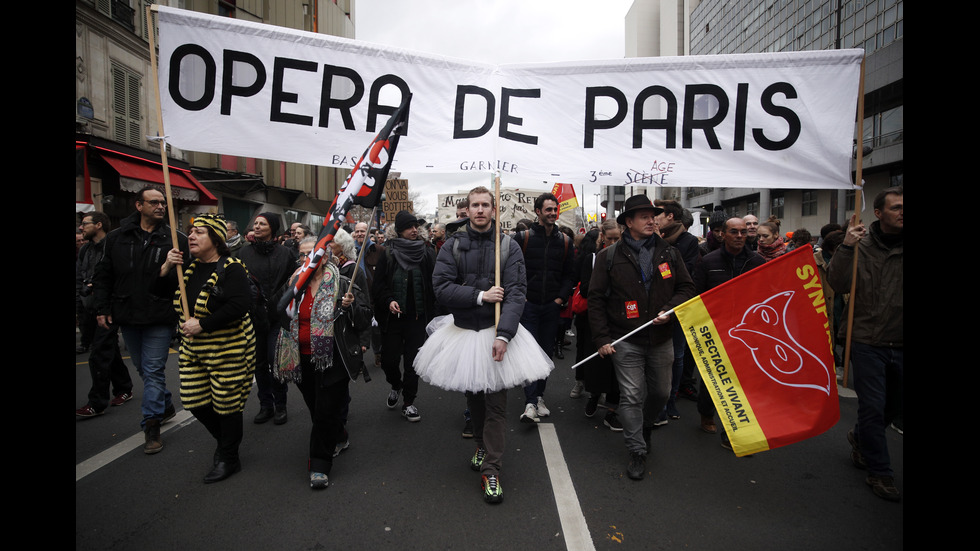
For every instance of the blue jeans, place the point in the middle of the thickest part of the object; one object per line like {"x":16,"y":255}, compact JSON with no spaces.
{"x":149,"y":346}
{"x":644,"y":373}
{"x":879,"y":383}
{"x":541,"y":320}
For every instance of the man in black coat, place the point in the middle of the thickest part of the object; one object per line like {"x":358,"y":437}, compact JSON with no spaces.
{"x":672,"y":227}
{"x":105,"y":362}
{"x":549,"y":255}
{"x":404,"y":303}
{"x":638,"y":279}
{"x":123,"y":279}
{"x":729,"y":261}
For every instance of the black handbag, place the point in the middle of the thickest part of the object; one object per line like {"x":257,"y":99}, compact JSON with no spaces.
{"x":348,"y":344}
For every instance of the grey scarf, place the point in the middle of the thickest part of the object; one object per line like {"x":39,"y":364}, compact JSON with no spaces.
{"x":409,"y":254}
{"x":644,"y":255}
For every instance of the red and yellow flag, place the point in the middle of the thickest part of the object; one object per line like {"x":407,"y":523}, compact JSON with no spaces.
{"x":566,"y":197}
{"x":763,"y":346}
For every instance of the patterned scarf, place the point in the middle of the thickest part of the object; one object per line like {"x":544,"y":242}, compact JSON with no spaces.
{"x":287,"y":367}
{"x":777,"y":248}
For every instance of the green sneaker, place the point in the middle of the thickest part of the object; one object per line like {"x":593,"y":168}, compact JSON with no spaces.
{"x":478,"y":457}
{"x":492,"y":492}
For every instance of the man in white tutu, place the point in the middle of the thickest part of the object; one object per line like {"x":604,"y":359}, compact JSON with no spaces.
{"x":465,"y":352}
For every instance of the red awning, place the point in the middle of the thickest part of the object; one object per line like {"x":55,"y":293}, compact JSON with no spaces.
{"x":140,"y":171}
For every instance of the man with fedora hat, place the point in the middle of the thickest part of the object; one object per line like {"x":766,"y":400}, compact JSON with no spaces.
{"x":635,"y":280}
{"x":404,"y":303}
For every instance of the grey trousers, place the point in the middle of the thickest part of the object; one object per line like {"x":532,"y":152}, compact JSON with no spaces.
{"x":644,"y":374}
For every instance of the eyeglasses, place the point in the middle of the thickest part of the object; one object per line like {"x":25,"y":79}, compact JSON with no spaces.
{"x":156,"y":202}
{"x":87,"y":222}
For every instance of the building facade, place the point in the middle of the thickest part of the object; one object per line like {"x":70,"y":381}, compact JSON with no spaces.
{"x":754,"y":26}
{"x":116,"y":111}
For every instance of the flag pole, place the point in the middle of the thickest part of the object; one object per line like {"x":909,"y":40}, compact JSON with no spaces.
{"x":496,"y":267}
{"x":858,"y":180}
{"x":161,"y":139}
{"x":360,"y":254}
{"x":626,"y":336}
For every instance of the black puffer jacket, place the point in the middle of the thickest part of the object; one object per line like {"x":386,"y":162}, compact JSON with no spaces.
{"x":720,"y":266}
{"x":550,"y":264}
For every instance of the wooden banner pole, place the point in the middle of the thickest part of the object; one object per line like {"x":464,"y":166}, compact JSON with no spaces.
{"x":161,"y":139}
{"x":858,"y":180}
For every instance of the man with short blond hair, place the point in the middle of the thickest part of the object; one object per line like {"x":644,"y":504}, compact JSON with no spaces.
{"x":464,"y":284}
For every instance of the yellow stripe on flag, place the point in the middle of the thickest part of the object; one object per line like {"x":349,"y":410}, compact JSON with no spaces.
{"x":719,"y":377}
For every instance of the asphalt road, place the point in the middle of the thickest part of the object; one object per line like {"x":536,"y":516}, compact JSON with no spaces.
{"x":408,"y":486}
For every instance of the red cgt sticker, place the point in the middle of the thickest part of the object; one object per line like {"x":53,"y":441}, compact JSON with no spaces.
{"x":632,"y":310}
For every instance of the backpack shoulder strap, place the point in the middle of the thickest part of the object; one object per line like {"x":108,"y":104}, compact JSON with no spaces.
{"x":610,"y":252}
{"x":526,"y":237}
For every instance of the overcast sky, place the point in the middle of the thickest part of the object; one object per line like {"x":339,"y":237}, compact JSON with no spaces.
{"x":494,"y":31}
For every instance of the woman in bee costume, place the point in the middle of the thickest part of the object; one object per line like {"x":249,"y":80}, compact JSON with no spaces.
{"x":217,"y":344}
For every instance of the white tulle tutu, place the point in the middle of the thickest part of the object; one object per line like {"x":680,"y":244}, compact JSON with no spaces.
{"x":462,"y":359}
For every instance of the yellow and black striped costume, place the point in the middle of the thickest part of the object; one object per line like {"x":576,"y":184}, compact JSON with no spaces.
{"x":216,"y":367}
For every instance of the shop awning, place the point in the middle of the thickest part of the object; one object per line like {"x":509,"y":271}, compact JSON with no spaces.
{"x":135,"y":173}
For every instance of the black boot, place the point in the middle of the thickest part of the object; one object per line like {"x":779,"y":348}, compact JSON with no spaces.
{"x":153,"y":442}
{"x":226,"y":462}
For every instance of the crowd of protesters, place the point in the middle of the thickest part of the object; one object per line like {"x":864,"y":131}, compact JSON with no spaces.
{"x":382,"y":286}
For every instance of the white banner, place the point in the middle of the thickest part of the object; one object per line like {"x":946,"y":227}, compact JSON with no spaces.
{"x":783,"y":120}
{"x":516,"y":204}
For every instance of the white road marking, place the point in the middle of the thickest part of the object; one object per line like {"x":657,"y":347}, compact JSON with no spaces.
{"x":576,"y":530}
{"x":96,"y":462}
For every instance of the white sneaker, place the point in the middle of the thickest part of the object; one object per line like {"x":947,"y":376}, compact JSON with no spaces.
{"x":319,"y":481}
{"x":577,"y":390}
{"x":543,"y":410}
{"x":411,"y":413}
{"x":530,"y":414}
